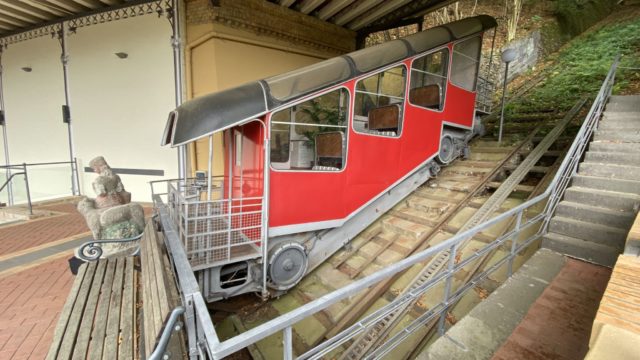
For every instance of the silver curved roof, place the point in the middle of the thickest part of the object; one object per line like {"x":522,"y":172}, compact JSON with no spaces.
{"x":218,"y":111}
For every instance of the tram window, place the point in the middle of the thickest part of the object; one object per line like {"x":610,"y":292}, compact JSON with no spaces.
{"x":464,"y":65}
{"x":311,"y":135}
{"x":429,"y":80}
{"x":378,"y":103}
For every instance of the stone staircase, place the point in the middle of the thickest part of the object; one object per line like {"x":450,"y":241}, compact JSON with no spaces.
{"x":483,"y":330}
{"x":596,"y":213}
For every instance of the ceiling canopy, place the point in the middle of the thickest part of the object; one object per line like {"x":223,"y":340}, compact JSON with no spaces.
{"x":364,"y":16}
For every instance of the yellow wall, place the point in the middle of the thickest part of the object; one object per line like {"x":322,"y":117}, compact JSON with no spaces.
{"x":218,"y":60}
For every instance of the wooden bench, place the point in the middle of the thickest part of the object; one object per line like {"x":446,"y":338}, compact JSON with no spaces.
{"x":117,"y":307}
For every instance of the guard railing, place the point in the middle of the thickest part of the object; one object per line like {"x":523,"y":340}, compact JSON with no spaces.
{"x":22,"y":169}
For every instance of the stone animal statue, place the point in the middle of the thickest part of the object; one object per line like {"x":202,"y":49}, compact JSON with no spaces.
{"x":111,"y":215}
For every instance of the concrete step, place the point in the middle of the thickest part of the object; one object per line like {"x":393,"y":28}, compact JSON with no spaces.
{"x":622,"y":123}
{"x":619,"y":185}
{"x":607,"y":199}
{"x":479,"y":334}
{"x":404,"y":227}
{"x":624,"y":98}
{"x":586,"y":250}
{"x":598,"y":233}
{"x":595,"y":215}
{"x":632,"y":136}
{"x":623,"y":105}
{"x":619,"y":116}
{"x":610,"y":157}
{"x":624,"y":172}
{"x":615,"y":147}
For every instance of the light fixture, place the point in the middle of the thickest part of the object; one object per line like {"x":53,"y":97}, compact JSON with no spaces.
{"x":122,"y":55}
{"x":507,"y":56}
{"x":27,"y":69}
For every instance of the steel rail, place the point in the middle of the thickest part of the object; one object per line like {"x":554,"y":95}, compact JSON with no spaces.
{"x":486,"y":253}
{"x":378,"y":332}
{"x":383,"y":286}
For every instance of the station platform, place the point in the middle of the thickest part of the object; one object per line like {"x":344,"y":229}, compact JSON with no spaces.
{"x":35,"y":277}
{"x":34,"y":274}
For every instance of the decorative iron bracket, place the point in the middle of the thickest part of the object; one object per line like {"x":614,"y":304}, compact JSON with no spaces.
{"x":92,"y":251}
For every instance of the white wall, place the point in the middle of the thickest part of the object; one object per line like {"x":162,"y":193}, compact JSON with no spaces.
{"x":119,"y":106}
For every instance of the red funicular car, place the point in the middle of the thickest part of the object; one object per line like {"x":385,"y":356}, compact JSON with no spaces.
{"x":314,"y":156}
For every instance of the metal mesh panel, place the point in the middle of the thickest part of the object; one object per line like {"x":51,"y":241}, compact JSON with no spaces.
{"x":215,"y":232}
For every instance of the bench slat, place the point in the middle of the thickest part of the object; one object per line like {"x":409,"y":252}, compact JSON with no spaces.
{"x":156,"y":306}
{"x":115,"y":311}
{"x":151,"y":315}
{"x":82,"y":342}
{"x":177,"y":341}
{"x":65,"y":314}
{"x":161,"y":281}
{"x":102,"y":313}
{"x":128,"y":311}
{"x":66,"y":348}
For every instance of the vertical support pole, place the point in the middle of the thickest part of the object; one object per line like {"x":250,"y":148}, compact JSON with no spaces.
{"x":287,"y":344}
{"x":191,"y":322}
{"x":75,"y":163}
{"x":5,"y":140}
{"x":230,"y":147}
{"x":265,"y":213}
{"x":26,"y":185}
{"x":176,"y":44}
{"x":504,"y":93}
{"x":447,"y":288}
{"x":514,"y":242}
{"x":64,"y":59}
{"x":209,"y":166}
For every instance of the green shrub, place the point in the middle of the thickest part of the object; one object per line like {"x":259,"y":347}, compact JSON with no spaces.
{"x":576,"y":16}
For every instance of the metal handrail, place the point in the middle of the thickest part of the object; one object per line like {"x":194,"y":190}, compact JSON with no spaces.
{"x":208,"y":342}
{"x":161,"y":347}
{"x":23,"y":167}
{"x":9,"y":179}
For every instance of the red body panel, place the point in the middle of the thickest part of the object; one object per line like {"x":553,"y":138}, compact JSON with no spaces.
{"x":373,"y":164}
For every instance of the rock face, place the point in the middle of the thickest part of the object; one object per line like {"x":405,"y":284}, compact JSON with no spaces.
{"x":111,"y":215}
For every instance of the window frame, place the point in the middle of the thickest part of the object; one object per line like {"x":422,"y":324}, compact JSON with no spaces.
{"x":403,"y":104}
{"x":453,"y":46}
{"x":300,"y":101}
{"x":447,"y":79}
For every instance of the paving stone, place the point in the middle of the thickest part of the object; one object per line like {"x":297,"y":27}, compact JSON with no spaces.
{"x":405,"y":227}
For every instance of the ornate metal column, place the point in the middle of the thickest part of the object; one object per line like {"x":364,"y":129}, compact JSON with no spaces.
{"x":176,"y":44}
{"x":66,"y":109}
{"x":3,"y":123}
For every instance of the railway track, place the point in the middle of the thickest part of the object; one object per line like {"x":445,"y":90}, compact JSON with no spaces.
{"x":434,"y":212}
{"x":377,"y":333}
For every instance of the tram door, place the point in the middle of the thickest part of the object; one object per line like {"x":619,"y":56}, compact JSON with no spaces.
{"x":246,"y":167}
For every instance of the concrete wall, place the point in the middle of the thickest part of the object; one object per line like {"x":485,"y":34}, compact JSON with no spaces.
{"x":119,"y":106}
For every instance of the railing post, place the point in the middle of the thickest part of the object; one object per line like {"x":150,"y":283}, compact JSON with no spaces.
{"x":514,"y":242}
{"x":77,"y":176}
{"x":447,"y":288}
{"x":26,"y":183}
{"x":287,"y":343}
{"x":190,"y":323}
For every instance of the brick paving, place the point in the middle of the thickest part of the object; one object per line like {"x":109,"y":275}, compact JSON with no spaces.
{"x":30,"y":303}
{"x":33,"y":294}
{"x":37,"y":232}
{"x":558,"y":325}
